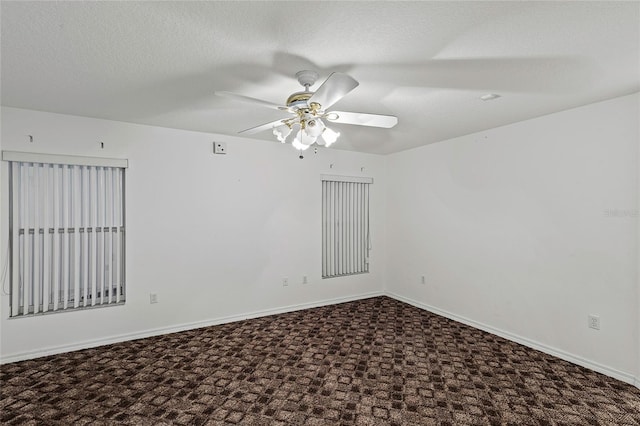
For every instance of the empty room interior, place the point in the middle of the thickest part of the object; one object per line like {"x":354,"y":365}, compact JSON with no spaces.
{"x":368,"y":213}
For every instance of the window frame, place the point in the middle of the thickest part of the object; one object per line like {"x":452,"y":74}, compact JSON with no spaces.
{"x":52,"y":232}
{"x":346,"y":233}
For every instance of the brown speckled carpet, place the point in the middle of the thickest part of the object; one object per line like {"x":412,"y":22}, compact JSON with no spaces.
{"x":371,"y":362}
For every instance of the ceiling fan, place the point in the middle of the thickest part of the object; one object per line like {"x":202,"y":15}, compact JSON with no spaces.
{"x":309,"y":112}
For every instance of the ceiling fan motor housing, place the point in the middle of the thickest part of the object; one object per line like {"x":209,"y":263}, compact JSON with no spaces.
{"x":307,"y":78}
{"x":299,"y":100}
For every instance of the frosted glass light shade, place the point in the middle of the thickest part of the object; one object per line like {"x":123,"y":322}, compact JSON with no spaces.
{"x":293,"y":134}
{"x":299,"y":145}
{"x":281,"y":132}
{"x":314,"y":127}
{"x":329,"y":136}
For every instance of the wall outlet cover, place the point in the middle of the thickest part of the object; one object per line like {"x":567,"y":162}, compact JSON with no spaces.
{"x":594,"y":322}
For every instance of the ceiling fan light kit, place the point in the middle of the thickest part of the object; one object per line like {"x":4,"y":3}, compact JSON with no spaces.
{"x":308,"y":125}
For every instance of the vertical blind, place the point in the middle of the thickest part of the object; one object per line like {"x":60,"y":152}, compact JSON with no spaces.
{"x":345,"y":225}
{"x":67,"y":233}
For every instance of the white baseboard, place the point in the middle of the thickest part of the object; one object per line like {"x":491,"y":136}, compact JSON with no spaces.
{"x":181,"y":327}
{"x":608,"y":371}
{"x":622,"y":376}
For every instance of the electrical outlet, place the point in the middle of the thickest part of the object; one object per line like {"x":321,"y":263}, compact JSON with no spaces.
{"x":153,"y":298}
{"x":305,"y":280}
{"x":219,"y":147}
{"x":423,"y":280}
{"x":285,"y":282}
{"x":594,"y":322}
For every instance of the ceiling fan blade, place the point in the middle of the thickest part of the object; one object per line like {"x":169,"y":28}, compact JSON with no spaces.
{"x":361,"y":119}
{"x":263,"y":127}
{"x":333,"y":89}
{"x":254,"y":101}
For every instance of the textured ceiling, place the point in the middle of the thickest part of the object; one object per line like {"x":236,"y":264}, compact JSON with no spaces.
{"x":159,"y":63}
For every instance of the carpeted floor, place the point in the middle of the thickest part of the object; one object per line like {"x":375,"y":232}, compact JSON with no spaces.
{"x":370,"y":362}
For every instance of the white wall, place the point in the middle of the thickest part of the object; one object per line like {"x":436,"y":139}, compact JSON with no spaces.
{"x":510,"y":229}
{"x":637,"y":379}
{"x":212,"y":235}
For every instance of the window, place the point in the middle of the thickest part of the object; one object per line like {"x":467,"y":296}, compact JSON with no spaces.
{"x":67,"y":233}
{"x":345,"y":225}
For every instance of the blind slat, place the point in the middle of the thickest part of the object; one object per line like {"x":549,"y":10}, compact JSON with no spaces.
{"x":57,"y":242}
{"x":15,"y":171}
{"x":84,"y":242}
{"x":93,"y":235}
{"x":114,"y":239}
{"x":331,"y":231}
{"x":66,"y":276}
{"x":76,"y":224}
{"x":100,"y":236}
{"x":46,"y":239}
{"x":352,"y":224}
{"x":324,"y":228}
{"x":357,"y":219}
{"x":339,"y":217}
{"x":36,"y":237}
{"x":108,"y":267}
{"x":26,"y":258}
